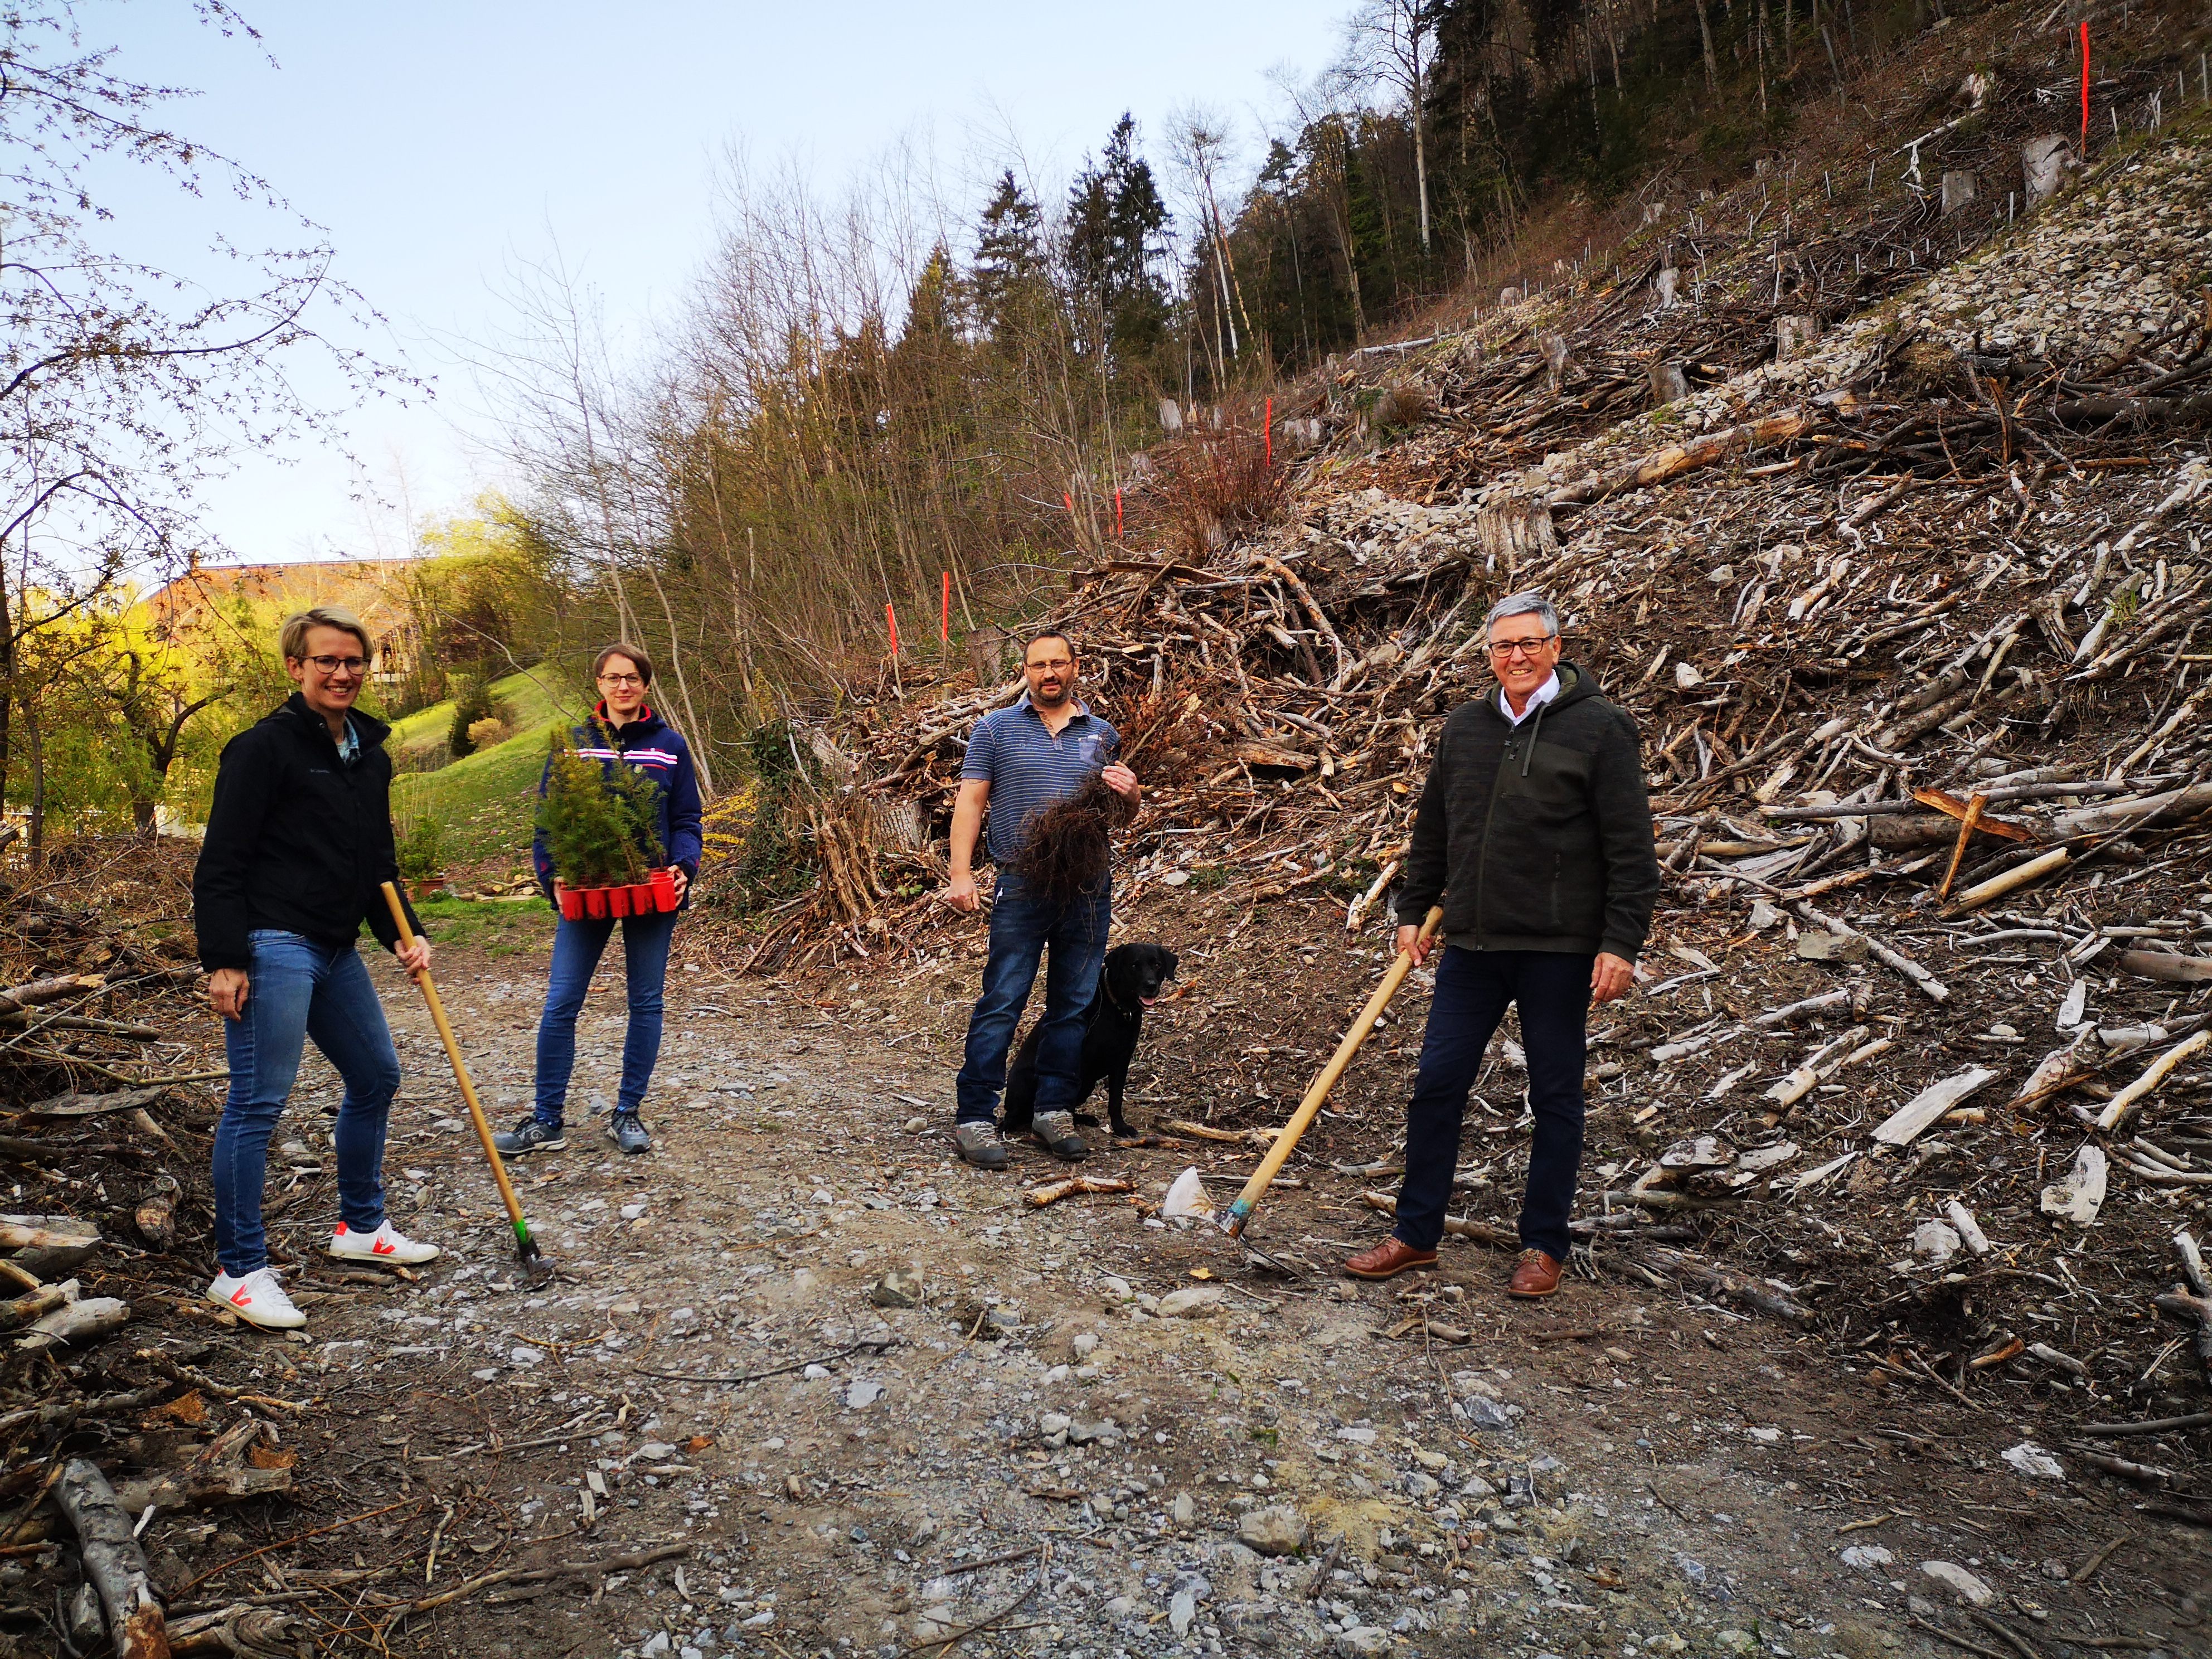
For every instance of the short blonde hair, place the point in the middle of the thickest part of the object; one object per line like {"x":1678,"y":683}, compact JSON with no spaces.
{"x":293,"y":641}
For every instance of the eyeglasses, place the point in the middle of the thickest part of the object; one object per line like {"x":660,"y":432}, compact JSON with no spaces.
{"x":1521,"y":648}
{"x":334,"y":664}
{"x":622,"y":679}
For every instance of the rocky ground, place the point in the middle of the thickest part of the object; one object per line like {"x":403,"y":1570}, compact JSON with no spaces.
{"x":918,"y":1406}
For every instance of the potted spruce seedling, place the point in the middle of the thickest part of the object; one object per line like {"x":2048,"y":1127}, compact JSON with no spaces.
{"x":600,"y":832}
{"x":420,"y":864}
{"x":587,"y":833}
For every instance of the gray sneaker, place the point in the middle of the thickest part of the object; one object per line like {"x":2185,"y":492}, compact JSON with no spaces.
{"x":530,"y":1136}
{"x":628,"y":1133}
{"x":980,"y":1144}
{"x":1057,"y":1131}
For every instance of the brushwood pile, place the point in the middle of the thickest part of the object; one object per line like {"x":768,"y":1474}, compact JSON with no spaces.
{"x":1904,"y":576}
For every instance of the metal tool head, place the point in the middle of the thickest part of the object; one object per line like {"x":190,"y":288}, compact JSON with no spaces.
{"x":537,"y":1268}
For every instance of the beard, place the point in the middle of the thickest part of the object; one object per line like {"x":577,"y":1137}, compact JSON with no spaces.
{"x":1055,"y":697}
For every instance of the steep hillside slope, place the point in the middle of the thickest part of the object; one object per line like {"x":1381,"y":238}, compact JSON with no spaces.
{"x":1946,"y":541}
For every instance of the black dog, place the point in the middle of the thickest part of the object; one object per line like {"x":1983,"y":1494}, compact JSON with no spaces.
{"x":1129,"y":984}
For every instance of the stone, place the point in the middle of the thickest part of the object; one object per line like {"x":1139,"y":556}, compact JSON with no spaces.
{"x":1763,"y":916}
{"x":1420,"y":1485}
{"x":1814,"y":945}
{"x":1105,"y":1433}
{"x":1362,"y":1639}
{"x":1737,"y":1641}
{"x":1181,"y":1610}
{"x":1184,"y":1509}
{"x":1867,"y":1558}
{"x":914,"y":1126}
{"x":632,"y":1211}
{"x":1273,"y":1529}
{"x":1486,"y":1413}
{"x":655,"y":1645}
{"x":1935,"y":1242}
{"x":1957,"y":192}
{"x":935,"y":1622}
{"x":1961,"y":1584}
{"x":2030,"y":1459}
{"x":1192,"y":1301}
{"x":896,"y":1289}
{"x":1085,"y":1343}
{"x":2079,"y":1197}
{"x":1794,"y":337}
{"x":1053,"y":1423}
{"x":860,"y":1395}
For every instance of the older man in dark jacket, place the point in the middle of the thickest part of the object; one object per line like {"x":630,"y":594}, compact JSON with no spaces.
{"x":1534,"y":832}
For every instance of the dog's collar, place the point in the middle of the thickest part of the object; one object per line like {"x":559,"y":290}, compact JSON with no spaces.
{"x":1106,"y":986}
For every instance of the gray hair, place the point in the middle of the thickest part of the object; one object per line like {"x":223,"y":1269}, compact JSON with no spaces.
{"x":1530,"y":604}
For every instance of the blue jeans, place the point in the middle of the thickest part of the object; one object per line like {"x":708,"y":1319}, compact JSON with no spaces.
{"x":577,"y":946}
{"x":297,"y":989}
{"x":1472,"y":987}
{"x":1021,"y":930}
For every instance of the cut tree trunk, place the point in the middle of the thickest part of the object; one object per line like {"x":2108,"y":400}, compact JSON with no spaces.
{"x":114,"y":1564}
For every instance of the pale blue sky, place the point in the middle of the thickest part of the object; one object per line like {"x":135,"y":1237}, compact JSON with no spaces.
{"x":442,"y":143}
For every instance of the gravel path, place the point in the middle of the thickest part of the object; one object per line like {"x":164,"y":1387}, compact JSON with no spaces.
{"x":1054,"y":1421}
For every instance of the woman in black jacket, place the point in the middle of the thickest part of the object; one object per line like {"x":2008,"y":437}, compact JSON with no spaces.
{"x":299,"y":840}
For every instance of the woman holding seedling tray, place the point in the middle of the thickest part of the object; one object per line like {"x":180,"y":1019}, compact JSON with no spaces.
{"x":617,"y":845}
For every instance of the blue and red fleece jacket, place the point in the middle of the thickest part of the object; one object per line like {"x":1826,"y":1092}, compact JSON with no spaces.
{"x":650,"y":746}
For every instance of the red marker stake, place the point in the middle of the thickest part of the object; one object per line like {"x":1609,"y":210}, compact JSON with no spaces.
{"x":1267,"y":423}
{"x":945,"y":613}
{"x":2085,"y":89}
{"x":891,"y":620}
{"x":1117,"y":515}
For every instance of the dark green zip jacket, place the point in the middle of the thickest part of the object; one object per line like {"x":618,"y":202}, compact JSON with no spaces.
{"x":1537,"y":838}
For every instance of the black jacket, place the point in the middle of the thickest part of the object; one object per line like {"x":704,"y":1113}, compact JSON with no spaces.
{"x":1537,"y":838}
{"x":296,"y":839}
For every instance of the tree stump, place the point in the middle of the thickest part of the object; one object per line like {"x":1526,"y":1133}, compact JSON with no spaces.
{"x":2046,"y":162}
{"x":1957,"y":192}
{"x":1556,"y":356}
{"x":1170,"y":415}
{"x":1509,"y":296}
{"x":1668,"y":385}
{"x":1794,"y":337}
{"x":1669,"y":285}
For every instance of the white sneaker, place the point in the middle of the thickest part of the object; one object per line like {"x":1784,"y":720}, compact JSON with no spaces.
{"x":387,"y":1244}
{"x":258,"y":1299}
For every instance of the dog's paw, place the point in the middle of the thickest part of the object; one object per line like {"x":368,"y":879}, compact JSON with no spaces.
{"x":1086,"y":1118}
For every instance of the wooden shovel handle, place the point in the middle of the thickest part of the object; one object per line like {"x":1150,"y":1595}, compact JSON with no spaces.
{"x":460,"y":1068}
{"x":1310,"y":1108}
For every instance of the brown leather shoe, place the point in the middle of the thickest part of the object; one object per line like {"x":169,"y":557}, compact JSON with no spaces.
{"x":1536,"y":1274}
{"x":1387,"y":1260}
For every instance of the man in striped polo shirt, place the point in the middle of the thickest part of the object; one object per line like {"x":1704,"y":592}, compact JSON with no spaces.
{"x":1020,"y":760}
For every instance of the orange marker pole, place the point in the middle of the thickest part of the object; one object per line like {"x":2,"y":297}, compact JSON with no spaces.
{"x":891,"y":620}
{"x":945,"y":613}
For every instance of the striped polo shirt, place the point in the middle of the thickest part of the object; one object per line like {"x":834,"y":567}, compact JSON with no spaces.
{"x":1029,"y":769}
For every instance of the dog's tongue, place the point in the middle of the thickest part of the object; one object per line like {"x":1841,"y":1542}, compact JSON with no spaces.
{"x":1148,"y":1001}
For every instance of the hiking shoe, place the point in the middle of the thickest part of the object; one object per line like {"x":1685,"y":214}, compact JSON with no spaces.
{"x":979,"y":1143}
{"x":530,"y":1136}
{"x":386,"y":1245}
{"x":258,"y":1299}
{"x":628,"y":1133}
{"x":1057,"y":1131}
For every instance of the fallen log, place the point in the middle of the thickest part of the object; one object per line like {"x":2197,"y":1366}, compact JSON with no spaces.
{"x":77,"y":1322}
{"x":39,"y":992}
{"x":2117,"y":1109}
{"x":2174,"y":970}
{"x":1719,"y":1281}
{"x":2134,"y":812}
{"x":1904,"y":1125}
{"x":1887,"y":956}
{"x":1052,"y":1192}
{"x":223,"y":1472}
{"x":114,"y":1564}
{"x":1675,"y":459}
{"x":17,"y":1233}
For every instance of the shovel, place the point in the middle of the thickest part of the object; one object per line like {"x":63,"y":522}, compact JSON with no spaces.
{"x":1310,"y":1108}
{"x":535,"y":1266}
